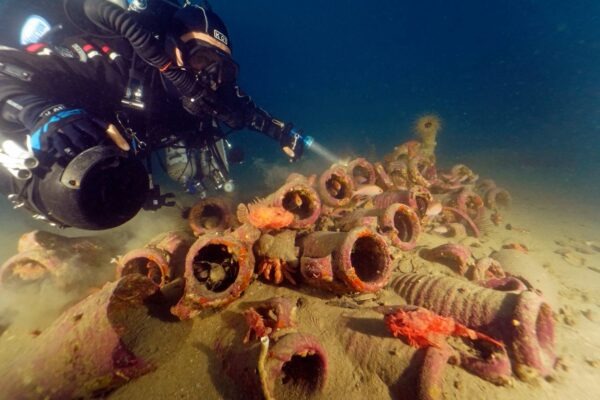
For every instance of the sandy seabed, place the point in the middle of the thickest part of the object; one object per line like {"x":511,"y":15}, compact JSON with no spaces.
{"x":560,"y":228}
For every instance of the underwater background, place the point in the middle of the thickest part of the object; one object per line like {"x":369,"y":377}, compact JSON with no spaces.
{"x":517,"y":80}
{"x":516,"y":84}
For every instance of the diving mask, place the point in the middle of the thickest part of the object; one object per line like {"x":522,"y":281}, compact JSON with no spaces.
{"x":212,"y":65}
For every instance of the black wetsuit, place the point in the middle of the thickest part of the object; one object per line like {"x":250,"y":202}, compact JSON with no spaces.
{"x":93,"y":75}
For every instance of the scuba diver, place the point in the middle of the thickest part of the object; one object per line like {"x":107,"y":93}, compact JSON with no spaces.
{"x":81,"y":115}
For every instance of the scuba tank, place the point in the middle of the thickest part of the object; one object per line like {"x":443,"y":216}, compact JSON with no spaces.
{"x":179,"y":166}
{"x":200,"y":169}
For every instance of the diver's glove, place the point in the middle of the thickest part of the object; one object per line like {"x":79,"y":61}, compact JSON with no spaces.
{"x":66,"y":132}
{"x":292,"y":141}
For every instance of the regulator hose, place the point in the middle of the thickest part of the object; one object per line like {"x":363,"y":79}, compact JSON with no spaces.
{"x":110,"y":16}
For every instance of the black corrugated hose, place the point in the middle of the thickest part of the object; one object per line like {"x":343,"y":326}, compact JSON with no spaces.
{"x":114,"y":18}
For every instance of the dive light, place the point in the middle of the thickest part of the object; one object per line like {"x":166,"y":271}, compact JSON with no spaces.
{"x":295,"y":143}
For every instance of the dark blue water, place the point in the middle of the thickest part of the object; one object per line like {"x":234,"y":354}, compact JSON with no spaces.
{"x":520,"y":78}
{"x":511,"y":74}
{"x":516,"y":80}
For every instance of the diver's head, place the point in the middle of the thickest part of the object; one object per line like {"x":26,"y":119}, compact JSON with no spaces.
{"x":198,"y":40}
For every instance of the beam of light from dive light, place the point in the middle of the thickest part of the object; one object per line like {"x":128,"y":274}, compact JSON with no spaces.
{"x":312,"y":145}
